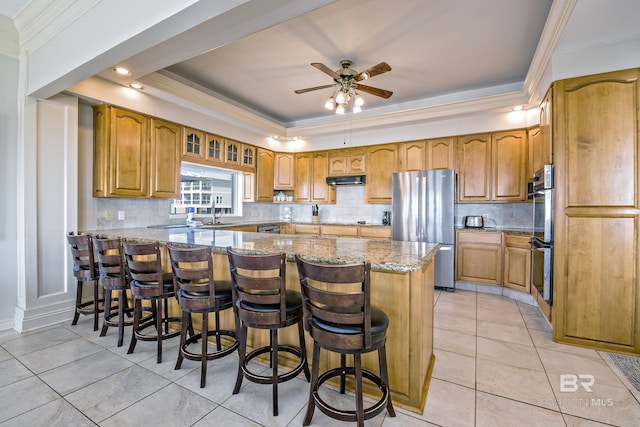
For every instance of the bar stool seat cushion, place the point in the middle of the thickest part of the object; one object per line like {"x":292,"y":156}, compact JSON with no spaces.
{"x":293,"y":301}
{"x":379,"y":324}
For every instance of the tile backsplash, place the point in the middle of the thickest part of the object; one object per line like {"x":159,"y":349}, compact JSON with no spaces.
{"x":350,"y":207}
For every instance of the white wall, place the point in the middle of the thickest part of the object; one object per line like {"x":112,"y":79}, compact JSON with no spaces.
{"x":8,"y":188}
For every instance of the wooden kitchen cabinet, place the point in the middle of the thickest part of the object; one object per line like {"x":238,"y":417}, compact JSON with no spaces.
{"x":248,"y":187}
{"x":339,"y":230}
{"x":474,"y":168}
{"x":284,"y":171}
{"x":596,"y":260}
{"x":193,"y":144}
{"x":264,"y":175}
{"x":248,"y":157}
{"x":546,"y":129}
{"x":382,"y":232}
{"x":534,"y":135}
{"x":311,"y":170}
{"x":493,"y":167}
{"x":509,"y":166}
{"x":233,"y":152}
{"x":479,"y":257}
{"x":382,"y":161}
{"x":164,"y":167}
{"x":311,"y":229}
{"x":286,"y":228}
{"x":517,"y":262}
{"x":348,"y":161}
{"x":121,"y":153}
{"x":214,"y":149}
{"x":412,"y":156}
{"x":440,"y":153}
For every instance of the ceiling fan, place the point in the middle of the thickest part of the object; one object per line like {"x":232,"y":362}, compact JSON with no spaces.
{"x":347,"y":81}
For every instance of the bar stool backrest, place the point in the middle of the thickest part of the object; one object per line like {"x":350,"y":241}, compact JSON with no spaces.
{"x":110,"y":262}
{"x":338,"y":296}
{"x":259,"y":287}
{"x":193,"y":272}
{"x":144,"y":265}
{"x":84,"y":266}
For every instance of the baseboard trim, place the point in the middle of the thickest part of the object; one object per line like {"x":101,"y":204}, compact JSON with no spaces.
{"x":40,"y":317}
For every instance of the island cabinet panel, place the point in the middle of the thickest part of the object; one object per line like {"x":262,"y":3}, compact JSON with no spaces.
{"x":121,"y":153}
{"x":165,"y":159}
{"x":264,"y":176}
{"x":596,"y":268}
{"x":382,"y":162}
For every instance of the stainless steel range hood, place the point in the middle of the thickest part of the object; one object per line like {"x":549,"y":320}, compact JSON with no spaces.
{"x":347,"y":180}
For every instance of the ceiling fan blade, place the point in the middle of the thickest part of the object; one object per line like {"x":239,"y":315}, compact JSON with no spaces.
{"x":386,"y":94}
{"x":309,"y":89}
{"x":382,"y":67}
{"x":326,"y":70}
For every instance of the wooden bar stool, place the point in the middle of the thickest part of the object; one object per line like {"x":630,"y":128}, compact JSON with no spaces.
{"x":262,"y":301}
{"x":85,"y":270}
{"x":113,"y":278}
{"x":149,"y":283}
{"x":339,"y":317}
{"x":198,"y":292}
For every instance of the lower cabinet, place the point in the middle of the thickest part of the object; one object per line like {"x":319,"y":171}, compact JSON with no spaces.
{"x":479,"y":257}
{"x":517,"y":262}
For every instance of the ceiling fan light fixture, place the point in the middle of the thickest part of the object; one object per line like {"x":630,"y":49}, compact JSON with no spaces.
{"x":340,"y":109}
{"x":330,"y":103}
{"x":358,"y":101}
{"x":356,"y":109}
{"x":341,"y":97}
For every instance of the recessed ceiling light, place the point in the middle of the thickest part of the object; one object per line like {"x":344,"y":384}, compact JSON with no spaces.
{"x":122,"y":71}
{"x":136,"y":86}
{"x":518,"y":108}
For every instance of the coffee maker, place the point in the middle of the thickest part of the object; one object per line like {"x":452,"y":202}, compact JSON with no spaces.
{"x":386,"y":218}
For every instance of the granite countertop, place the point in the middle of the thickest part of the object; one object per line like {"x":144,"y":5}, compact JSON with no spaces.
{"x":384,"y":255}
{"x":522,"y":231}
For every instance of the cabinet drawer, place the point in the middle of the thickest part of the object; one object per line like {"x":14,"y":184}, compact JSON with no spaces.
{"x":340,"y":230}
{"x":376,"y":232}
{"x":307,"y":229}
{"x":517,"y":240}
{"x":479,"y":237}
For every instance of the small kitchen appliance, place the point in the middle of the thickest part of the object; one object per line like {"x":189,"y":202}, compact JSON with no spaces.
{"x":473,"y":221}
{"x":386,"y":218}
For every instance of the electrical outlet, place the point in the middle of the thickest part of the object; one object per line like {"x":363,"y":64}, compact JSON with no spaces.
{"x":109,"y":215}
{"x":120,"y":215}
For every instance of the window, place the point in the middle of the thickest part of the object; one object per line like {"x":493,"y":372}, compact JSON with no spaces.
{"x":208,"y":190}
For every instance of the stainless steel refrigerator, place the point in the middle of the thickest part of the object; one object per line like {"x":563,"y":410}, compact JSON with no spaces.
{"x":423,"y":211}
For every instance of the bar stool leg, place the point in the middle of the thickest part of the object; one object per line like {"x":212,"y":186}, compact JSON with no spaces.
{"x":274,"y":369}
{"x":382,"y":360}
{"x":159,"y":311}
{"x":183,"y":336}
{"x":107,"y":312}
{"x":303,"y":350}
{"x":96,"y":310}
{"x":242,"y":349}
{"x":359,"y":401}
{"x":315,"y":372}
{"x":203,"y":359}
{"x":137,"y":310}
{"x":121,"y":305}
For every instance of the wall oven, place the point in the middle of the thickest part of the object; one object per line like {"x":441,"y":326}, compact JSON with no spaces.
{"x":542,"y":239}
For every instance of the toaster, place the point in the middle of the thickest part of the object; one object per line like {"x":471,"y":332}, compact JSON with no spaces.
{"x":473,"y":222}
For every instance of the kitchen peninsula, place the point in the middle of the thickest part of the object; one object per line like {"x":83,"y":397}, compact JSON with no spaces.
{"x":402,"y":285}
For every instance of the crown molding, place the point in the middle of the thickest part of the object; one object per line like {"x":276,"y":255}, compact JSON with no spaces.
{"x":557,"y":20}
{"x":40,"y":20}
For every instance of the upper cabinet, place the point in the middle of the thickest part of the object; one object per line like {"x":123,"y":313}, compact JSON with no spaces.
{"x":546,"y":129}
{"x":440,"y":153}
{"x":193,"y":144}
{"x":214,"y":149}
{"x":311,"y":170}
{"x":264,"y":176}
{"x":382,"y":161}
{"x":349,"y":161}
{"x":284,"y":171}
{"x":248,"y":158}
{"x":493,"y":167}
{"x":165,"y":159}
{"x":134,"y":155}
{"x":232,"y":150}
{"x":412,"y":156}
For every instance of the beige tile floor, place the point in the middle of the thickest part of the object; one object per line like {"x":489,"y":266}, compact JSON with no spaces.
{"x":496,"y":366}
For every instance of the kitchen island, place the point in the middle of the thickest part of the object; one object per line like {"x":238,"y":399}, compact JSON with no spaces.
{"x":402,"y":285}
